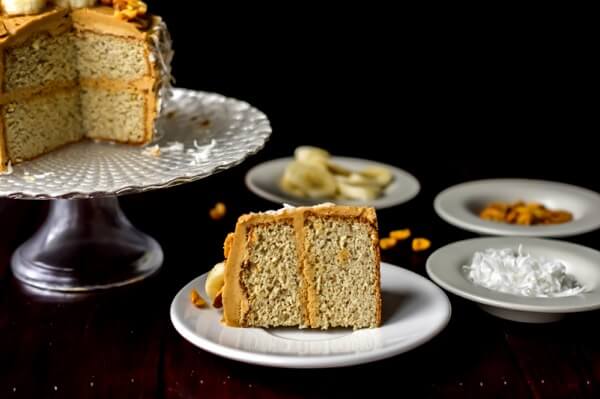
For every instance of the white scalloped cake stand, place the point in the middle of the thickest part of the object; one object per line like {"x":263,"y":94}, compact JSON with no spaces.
{"x":87,"y":243}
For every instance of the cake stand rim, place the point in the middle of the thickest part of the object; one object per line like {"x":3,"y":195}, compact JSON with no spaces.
{"x":264,"y":135}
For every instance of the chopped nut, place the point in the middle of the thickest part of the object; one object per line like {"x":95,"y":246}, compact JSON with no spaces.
{"x":218,"y":301}
{"x":524,"y":214}
{"x":129,"y":10}
{"x":400,"y":234}
{"x":196,"y":299}
{"x":387,"y":243}
{"x":218,"y":211}
{"x":420,"y":244}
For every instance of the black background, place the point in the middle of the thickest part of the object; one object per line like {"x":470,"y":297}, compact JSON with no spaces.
{"x":434,"y":89}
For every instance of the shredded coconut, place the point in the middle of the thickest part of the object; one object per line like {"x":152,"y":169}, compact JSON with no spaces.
{"x":516,"y":272}
{"x":172,"y":146}
{"x":200,"y":153}
{"x":8,"y":171}
{"x":152,"y":151}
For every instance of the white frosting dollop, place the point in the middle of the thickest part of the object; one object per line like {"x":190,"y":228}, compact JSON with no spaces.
{"x":518,"y":273}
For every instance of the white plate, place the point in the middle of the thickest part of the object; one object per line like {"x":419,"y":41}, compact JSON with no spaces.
{"x":414,"y":311}
{"x":459,"y":205}
{"x":263,"y":180}
{"x":444,"y":267}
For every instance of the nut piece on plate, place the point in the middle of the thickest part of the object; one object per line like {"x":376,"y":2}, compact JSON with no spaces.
{"x":312,"y":174}
{"x":196,"y":299}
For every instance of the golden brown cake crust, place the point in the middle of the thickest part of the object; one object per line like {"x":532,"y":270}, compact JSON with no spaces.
{"x":235,"y":304}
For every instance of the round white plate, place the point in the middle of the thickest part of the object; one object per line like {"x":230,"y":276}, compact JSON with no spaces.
{"x":264,"y":179}
{"x":444,"y":267}
{"x":460,"y":205}
{"x":414,"y":311}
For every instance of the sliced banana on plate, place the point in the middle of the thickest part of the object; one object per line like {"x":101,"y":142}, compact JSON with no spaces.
{"x":358,"y":188}
{"x":312,"y":174}
{"x":312,"y":179}
{"x":308,"y":154}
{"x":215,"y":280}
{"x":23,"y":7}
{"x":383,"y":176}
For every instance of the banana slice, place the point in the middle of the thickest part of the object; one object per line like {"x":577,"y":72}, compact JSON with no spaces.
{"x":75,"y":3}
{"x":23,"y":7}
{"x":361,"y":192}
{"x":215,"y":280}
{"x":312,"y":179}
{"x":338,"y":169}
{"x":308,"y":154}
{"x":82,"y":3}
{"x":379,"y":174}
{"x":290,"y":188}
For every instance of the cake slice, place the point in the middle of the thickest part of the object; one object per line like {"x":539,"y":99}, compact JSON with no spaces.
{"x":315,"y":267}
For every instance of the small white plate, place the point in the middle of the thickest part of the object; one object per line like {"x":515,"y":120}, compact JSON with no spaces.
{"x":263,"y":180}
{"x":460,"y":205}
{"x":444,"y":267}
{"x":414,"y":311}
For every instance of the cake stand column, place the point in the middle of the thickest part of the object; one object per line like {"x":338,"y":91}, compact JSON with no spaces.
{"x":86,"y":245}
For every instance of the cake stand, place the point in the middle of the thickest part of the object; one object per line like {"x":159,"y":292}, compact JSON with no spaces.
{"x":87,"y":243}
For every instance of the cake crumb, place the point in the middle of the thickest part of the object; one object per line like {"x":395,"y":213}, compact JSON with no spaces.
{"x":218,"y":211}
{"x":420,"y":244}
{"x":196,"y":299}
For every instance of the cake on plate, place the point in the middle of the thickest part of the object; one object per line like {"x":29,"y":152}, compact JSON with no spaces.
{"x":311,"y":267}
{"x":76,"y":69}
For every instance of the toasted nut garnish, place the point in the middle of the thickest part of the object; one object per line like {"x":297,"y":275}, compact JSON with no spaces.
{"x":196,"y":299}
{"x":524,"y":214}
{"x":387,"y":243}
{"x":420,"y":244}
{"x":218,"y":211}
{"x":218,"y":300}
{"x":129,"y":10}
{"x":400,"y":234}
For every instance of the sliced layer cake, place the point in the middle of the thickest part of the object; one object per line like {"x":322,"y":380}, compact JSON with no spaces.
{"x":71,"y":73}
{"x":314,"y":267}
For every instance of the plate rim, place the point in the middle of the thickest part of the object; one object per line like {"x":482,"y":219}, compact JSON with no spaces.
{"x":498,"y":229}
{"x":507,"y":304}
{"x":301,"y":362}
{"x":251,"y":173}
